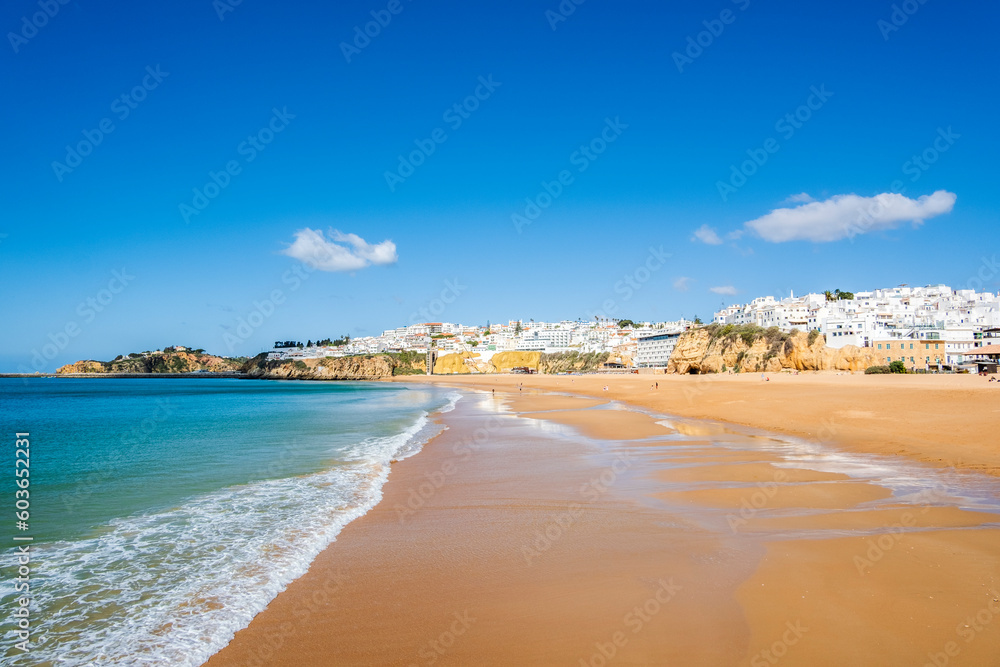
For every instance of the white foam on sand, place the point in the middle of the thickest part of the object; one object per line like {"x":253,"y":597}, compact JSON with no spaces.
{"x":173,"y":587}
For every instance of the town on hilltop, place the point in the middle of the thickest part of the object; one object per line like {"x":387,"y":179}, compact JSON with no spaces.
{"x":946,"y":325}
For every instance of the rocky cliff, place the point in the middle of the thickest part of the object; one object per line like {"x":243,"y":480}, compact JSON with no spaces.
{"x":330,"y":368}
{"x":167,"y":361}
{"x":716,"y":349}
{"x":573,"y":362}
{"x":501,"y":362}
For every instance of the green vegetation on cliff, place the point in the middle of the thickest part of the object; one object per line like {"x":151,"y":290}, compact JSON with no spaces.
{"x":742,"y":348}
{"x":169,"y":360}
{"x":575,"y":362}
{"x":408,"y":363}
{"x":778,"y":342}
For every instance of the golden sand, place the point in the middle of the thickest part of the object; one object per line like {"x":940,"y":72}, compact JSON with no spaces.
{"x":536,"y":550}
{"x":945,"y":420}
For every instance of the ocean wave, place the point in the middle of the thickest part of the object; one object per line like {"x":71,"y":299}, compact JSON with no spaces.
{"x":173,"y":587}
{"x":405,"y":444}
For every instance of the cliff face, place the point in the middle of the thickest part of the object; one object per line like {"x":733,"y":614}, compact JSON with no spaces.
{"x":501,"y":362}
{"x":83,"y":367}
{"x":710,"y":350}
{"x":456,"y":363}
{"x":161,"y":362}
{"x":330,"y":368}
{"x":575,"y":362}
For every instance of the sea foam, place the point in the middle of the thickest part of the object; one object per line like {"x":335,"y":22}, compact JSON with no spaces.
{"x":173,"y":587}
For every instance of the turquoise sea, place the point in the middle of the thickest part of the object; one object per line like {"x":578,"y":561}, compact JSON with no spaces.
{"x":166,"y":513}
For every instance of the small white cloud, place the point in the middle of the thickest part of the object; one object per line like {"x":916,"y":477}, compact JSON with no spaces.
{"x":311,"y":247}
{"x":683,"y":284}
{"x":706,"y":234}
{"x":728,"y":290}
{"x":801,"y":198}
{"x":380,"y":253}
{"x":845,"y":216}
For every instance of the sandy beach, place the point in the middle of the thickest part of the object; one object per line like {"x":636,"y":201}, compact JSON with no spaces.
{"x":944,"y":420}
{"x":545,"y":529}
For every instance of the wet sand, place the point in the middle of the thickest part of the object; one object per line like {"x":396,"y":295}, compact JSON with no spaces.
{"x":944,"y":420}
{"x":516,"y":539}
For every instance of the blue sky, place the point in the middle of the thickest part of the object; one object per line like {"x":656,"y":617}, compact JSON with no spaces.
{"x":200,"y":90}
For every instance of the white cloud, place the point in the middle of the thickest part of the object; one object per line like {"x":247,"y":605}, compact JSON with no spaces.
{"x":728,"y":290}
{"x":844,"y":216}
{"x":706,"y":234}
{"x":683,"y":284}
{"x":311,"y":247}
{"x":801,"y":198}
{"x":380,"y":253}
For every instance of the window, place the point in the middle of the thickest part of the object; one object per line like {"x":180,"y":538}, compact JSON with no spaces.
{"x":911,"y":347}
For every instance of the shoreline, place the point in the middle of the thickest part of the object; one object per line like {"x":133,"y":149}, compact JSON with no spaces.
{"x":455,"y":542}
{"x":946,"y":421}
{"x":493,"y":545}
